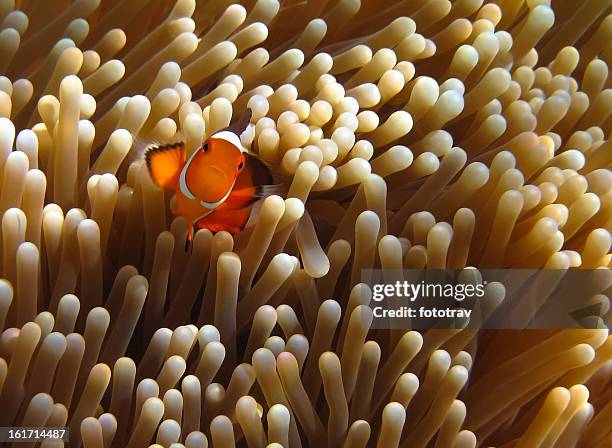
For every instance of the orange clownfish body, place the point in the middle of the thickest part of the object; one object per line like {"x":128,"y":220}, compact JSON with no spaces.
{"x":215,"y":186}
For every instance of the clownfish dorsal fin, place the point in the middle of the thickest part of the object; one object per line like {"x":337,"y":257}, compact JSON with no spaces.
{"x":165,"y":164}
{"x":241,"y":123}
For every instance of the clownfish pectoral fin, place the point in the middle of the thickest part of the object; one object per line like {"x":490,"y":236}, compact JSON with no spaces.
{"x":165,"y":164}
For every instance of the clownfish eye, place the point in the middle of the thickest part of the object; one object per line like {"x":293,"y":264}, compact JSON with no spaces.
{"x":240,"y":166}
{"x":205,"y":148}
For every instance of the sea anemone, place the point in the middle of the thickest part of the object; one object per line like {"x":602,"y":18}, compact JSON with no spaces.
{"x":407,"y":134}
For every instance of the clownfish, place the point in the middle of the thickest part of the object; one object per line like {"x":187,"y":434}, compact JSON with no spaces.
{"x":216,"y":185}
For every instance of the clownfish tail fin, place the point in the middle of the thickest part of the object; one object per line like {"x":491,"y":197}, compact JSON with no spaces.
{"x":263,"y":191}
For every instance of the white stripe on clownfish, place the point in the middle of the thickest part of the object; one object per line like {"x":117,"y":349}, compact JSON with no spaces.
{"x":230,"y":137}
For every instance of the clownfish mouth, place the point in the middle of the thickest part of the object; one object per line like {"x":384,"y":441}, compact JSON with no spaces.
{"x":211,"y":173}
{"x":212,"y":205}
